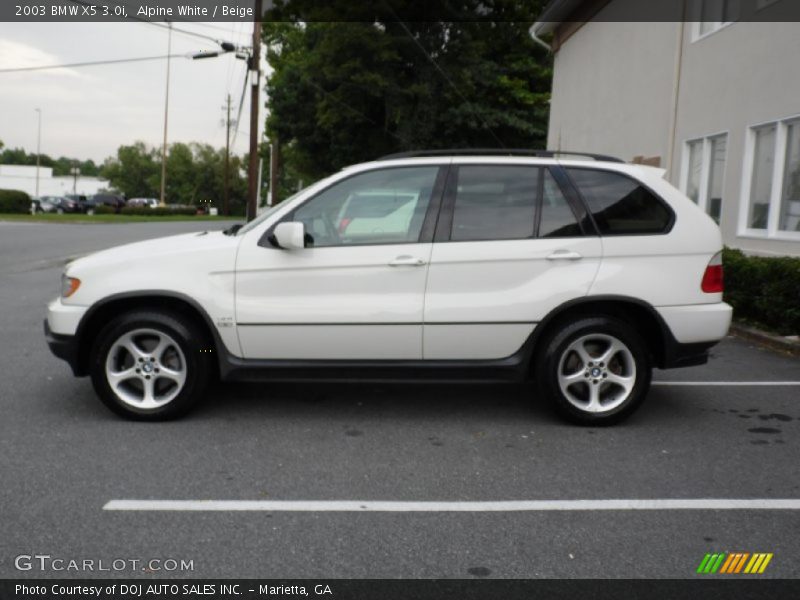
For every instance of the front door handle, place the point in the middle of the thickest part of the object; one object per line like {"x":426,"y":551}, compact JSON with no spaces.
{"x":563,"y":255}
{"x":406,"y":261}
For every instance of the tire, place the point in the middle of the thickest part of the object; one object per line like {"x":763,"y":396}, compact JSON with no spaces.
{"x":595,"y":371}
{"x":160,"y":372}
{"x":60,"y":211}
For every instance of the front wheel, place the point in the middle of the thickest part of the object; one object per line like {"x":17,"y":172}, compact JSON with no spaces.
{"x":148,"y":366}
{"x":596,"y":370}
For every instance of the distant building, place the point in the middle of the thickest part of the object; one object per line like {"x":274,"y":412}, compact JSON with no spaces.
{"x":714,"y":99}
{"x":23,"y":178}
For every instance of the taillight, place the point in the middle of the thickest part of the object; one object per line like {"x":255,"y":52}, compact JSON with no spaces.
{"x":712,"y":278}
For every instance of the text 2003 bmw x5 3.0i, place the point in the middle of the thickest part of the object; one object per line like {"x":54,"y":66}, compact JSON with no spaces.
{"x":580,"y":274}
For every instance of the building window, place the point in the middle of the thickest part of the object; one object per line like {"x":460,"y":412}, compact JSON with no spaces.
{"x":704,"y":173}
{"x":713,"y":15}
{"x":772,"y":190}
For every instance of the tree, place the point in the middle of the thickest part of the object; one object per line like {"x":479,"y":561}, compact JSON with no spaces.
{"x":344,"y":92}
{"x":135,"y":171}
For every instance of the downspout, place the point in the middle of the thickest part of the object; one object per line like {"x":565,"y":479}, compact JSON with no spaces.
{"x":537,"y":39}
{"x":676,"y":89}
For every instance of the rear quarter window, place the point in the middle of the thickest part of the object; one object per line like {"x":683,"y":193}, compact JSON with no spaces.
{"x":619,"y":204}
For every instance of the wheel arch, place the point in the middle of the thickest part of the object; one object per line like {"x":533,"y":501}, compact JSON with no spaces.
{"x":100,"y":313}
{"x":655,"y":332}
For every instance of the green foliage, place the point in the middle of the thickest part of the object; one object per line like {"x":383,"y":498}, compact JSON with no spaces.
{"x":14,"y":201}
{"x":104,"y":210}
{"x":344,"y":92}
{"x":195,"y":175}
{"x":60,"y":166}
{"x":764,"y":290}
{"x":158,"y":211}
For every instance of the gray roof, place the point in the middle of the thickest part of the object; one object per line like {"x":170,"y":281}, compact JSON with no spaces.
{"x":554,"y":13}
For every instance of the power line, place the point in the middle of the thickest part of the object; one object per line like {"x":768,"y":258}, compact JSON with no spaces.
{"x":241,"y":104}
{"x":448,"y":80}
{"x":358,"y":112}
{"x":92,"y":63}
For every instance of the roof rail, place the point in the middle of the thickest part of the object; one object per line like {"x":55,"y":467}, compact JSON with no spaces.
{"x":499,"y":152}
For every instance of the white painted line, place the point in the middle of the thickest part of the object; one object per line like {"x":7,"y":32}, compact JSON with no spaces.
{"x":731,"y":383}
{"x":403,"y":506}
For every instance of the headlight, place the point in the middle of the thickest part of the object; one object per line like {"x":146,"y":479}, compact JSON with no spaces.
{"x":69,"y":285}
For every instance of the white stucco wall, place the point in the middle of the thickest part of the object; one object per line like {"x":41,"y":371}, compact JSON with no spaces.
{"x":23,"y":178}
{"x":612,"y":89}
{"x":742,"y":75}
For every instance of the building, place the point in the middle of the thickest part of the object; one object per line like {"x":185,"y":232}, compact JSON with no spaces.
{"x":23,"y":178}
{"x":712,"y":96}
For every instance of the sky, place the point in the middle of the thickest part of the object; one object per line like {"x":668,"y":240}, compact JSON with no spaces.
{"x":88,"y":112}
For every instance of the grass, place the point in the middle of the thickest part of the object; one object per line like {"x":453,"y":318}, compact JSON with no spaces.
{"x":80,"y":218}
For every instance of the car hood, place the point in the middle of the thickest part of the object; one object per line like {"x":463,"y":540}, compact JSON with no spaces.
{"x":188,"y":248}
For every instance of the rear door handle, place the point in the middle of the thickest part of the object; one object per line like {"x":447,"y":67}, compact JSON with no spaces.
{"x":563,"y":255}
{"x":406,"y":261}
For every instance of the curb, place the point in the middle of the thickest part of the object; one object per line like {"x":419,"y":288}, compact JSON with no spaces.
{"x":770,"y":340}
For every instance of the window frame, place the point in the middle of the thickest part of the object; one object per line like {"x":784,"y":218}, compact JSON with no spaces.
{"x":667,"y":229}
{"x":705,"y":168}
{"x":267,"y":240}
{"x":444,"y":224}
{"x":716,"y":26}
{"x":772,"y":232}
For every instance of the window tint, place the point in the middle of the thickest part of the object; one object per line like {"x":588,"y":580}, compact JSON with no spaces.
{"x":619,"y":204}
{"x":557,"y":219}
{"x":494,"y":203}
{"x":385,"y":206}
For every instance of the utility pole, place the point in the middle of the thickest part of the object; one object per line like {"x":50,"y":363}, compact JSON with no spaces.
{"x":75,"y":170}
{"x":38,"y":149}
{"x":273,"y":171}
{"x":226,"y":197}
{"x":255,"y":82}
{"x":166,"y":115}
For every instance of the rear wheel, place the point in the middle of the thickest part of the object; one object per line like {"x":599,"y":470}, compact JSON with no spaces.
{"x":148,"y":365}
{"x":596,"y":370}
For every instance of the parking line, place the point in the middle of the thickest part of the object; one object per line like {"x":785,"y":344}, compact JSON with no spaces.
{"x":731,"y":383}
{"x":412,"y":506}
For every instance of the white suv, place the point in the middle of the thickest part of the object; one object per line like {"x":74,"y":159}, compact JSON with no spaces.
{"x":581,"y":274}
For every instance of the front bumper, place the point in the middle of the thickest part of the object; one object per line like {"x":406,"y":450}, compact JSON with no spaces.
{"x":64,"y":347}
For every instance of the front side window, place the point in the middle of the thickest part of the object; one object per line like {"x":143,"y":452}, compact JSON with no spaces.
{"x":619,"y":204}
{"x":385,"y":206}
{"x":495,"y":202}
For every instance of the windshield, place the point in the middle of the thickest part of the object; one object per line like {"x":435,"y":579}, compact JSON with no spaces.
{"x":269,"y":212}
{"x":266,"y":214}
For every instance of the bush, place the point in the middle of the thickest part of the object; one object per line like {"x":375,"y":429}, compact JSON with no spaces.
{"x":764,"y":290}
{"x":157,"y":211}
{"x":14,"y":201}
{"x":104,"y":210}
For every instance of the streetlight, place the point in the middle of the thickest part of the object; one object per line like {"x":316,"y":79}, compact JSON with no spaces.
{"x":38,"y":149}
{"x":166,"y":115}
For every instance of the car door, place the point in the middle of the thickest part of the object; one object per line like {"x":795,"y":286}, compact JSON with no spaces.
{"x":511,"y":244}
{"x":356,"y":290}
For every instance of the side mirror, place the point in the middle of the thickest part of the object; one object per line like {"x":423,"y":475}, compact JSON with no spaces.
{"x":290,"y":235}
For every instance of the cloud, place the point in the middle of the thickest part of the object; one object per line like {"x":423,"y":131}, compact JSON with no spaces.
{"x":16,"y":55}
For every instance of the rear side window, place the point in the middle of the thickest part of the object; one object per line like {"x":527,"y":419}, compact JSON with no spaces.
{"x":495,"y":203}
{"x":620,"y":205}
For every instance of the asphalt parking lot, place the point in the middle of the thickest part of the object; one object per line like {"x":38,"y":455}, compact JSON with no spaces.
{"x":63,"y":457}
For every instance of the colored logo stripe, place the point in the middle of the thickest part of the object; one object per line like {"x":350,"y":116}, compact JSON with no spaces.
{"x":735,"y":562}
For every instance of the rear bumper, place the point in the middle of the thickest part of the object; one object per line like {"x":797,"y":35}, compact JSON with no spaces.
{"x":691,"y":331}
{"x":64,"y":347}
{"x":697,"y":323}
